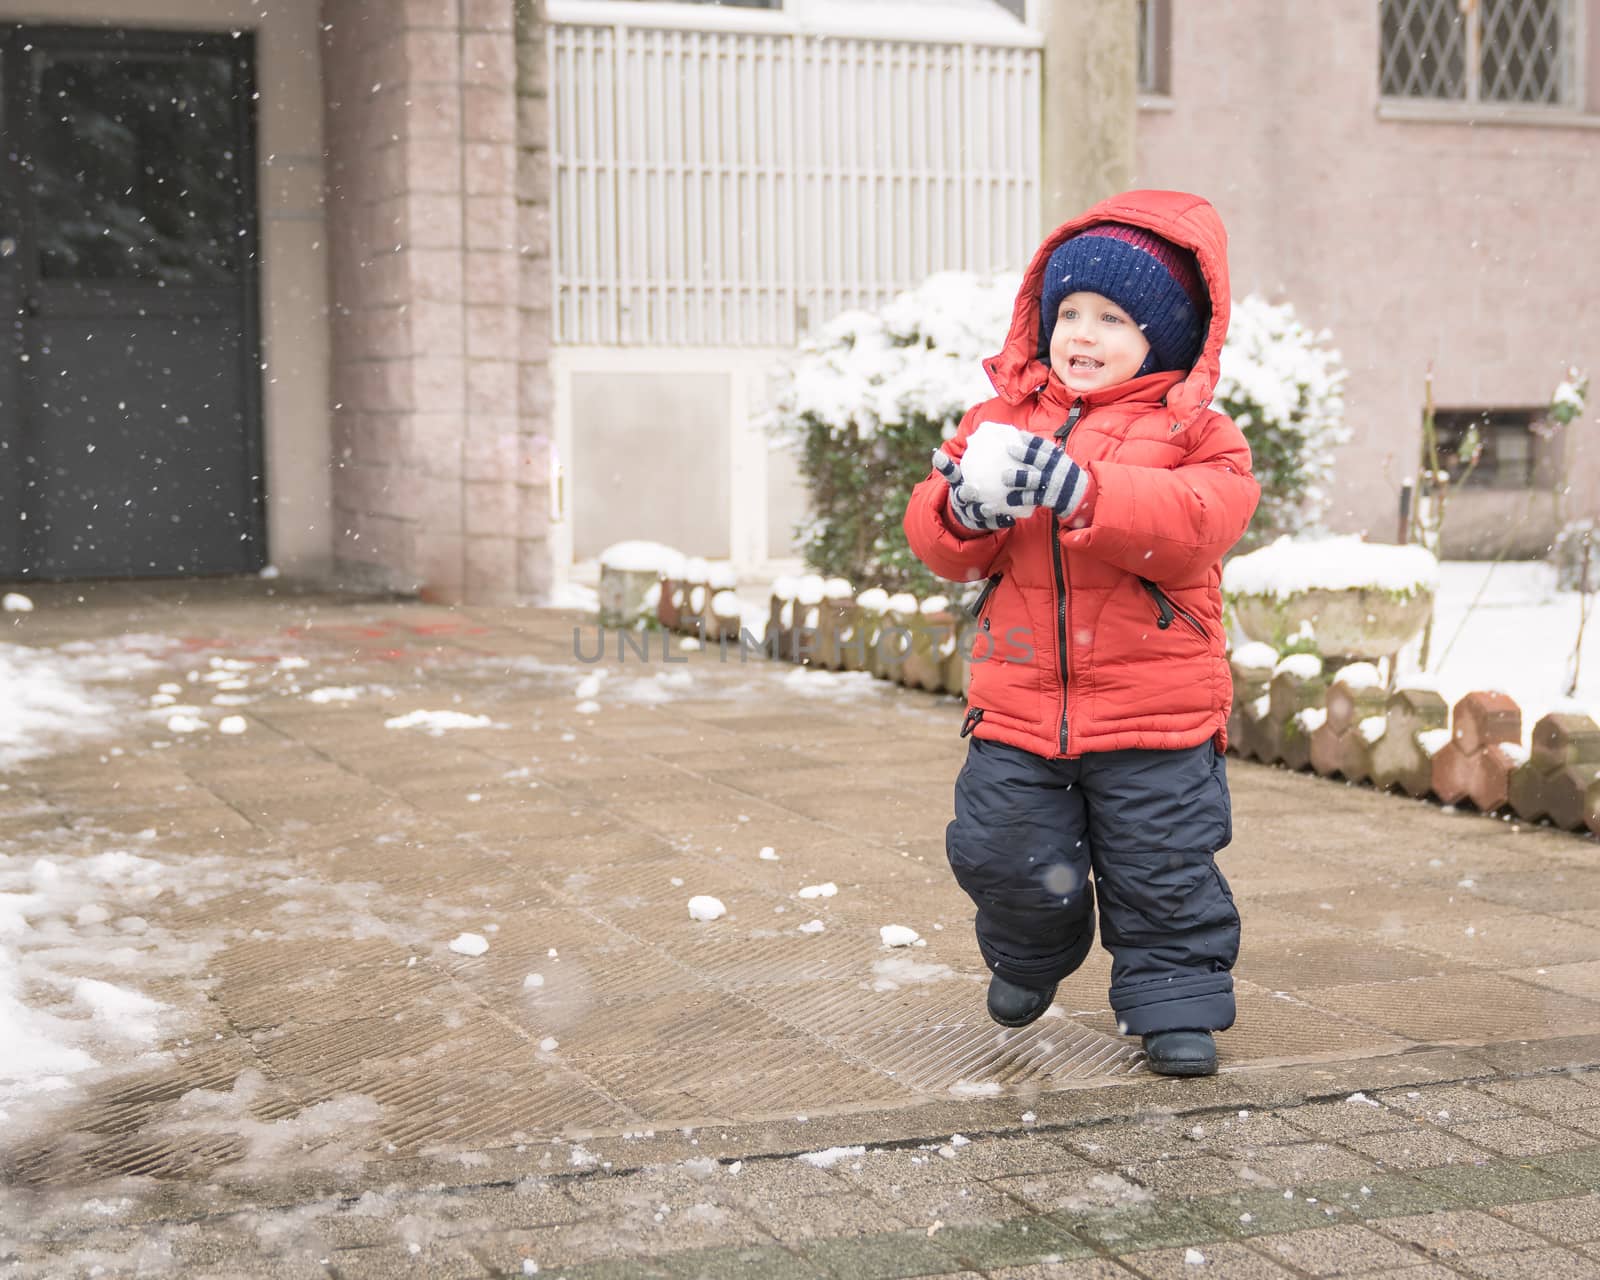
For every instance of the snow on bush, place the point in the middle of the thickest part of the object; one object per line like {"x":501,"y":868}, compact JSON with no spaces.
{"x":867,"y":399}
{"x":1292,"y":566}
{"x":1285,"y":389}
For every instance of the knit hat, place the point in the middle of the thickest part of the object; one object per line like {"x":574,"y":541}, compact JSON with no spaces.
{"x":1150,"y":278}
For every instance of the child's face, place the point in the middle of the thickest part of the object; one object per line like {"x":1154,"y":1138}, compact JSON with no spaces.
{"x":1095,"y":344}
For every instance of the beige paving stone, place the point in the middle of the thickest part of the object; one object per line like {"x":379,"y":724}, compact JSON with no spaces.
{"x":1551,"y":1094}
{"x":1236,"y":1261}
{"x":1295,"y":1164}
{"x":1448,"y":1105}
{"x":1345,"y":1118}
{"x":1455,"y":1233}
{"x":1523,"y":1136}
{"x":1192,"y":1176}
{"x":1574,"y":1220}
{"x":1070,"y":1269}
{"x":1335,"y":1251}
{"x":827,"y":1217}
{"x":1415,"y":1149}
{"x":1429,"y":1009}
{"x":1532,"y":1264}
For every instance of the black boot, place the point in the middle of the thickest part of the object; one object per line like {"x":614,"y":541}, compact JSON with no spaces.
{"x":1181,"y":1053}
{"x":1014,"y":1006}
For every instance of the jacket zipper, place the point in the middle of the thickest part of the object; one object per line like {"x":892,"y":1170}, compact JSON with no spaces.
{"x":974,"y":714}
{"x":1061,"y":581}
{"x":1166,"y":610}
{"x":975,"y":609}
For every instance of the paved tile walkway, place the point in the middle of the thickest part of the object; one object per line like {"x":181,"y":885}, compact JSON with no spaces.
{"x":613,"y":1088}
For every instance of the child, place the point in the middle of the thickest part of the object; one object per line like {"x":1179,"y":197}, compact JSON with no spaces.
{"x":1100,"y":688}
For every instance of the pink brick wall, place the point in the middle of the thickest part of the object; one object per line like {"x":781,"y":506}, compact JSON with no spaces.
{"x":1469,"y":246}
{"x":440,"y":329}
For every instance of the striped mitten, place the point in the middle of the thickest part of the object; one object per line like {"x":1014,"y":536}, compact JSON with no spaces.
{"x":965,"y":505}
{"x":1046,"y":476}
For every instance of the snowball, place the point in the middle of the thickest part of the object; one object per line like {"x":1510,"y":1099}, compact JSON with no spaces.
{"x":897,"y":935}
{"x":1194,"y":1258}
{"x":469,"y":944}
{"x":812,"y":926}
{"x":704,"y":907}
{"x":988,"y":458}
{"x":533,"y":982}
{"x":233,"y":724}
{"x":768,"y":854}
{"x":826,"y":890}
{"x":549,"y":1044}
{"x":185,"y":724}
{"x":16,"y":602}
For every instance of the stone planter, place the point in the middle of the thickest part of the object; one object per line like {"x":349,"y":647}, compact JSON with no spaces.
{"x":1349,"y":625}
{"x":1354,"y":600}
{"x":626,"y":595}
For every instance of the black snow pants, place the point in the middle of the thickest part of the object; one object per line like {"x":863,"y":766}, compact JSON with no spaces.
{"x":1029,"y":831}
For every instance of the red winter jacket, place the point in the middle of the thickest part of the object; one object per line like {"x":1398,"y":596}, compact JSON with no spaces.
{"x":1110,"y":635}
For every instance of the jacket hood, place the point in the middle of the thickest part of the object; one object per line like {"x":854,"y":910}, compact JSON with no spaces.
{"x":1188,"y":221}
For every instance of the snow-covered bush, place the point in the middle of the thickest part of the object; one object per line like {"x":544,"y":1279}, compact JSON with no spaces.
{"x":867,"y":399}
{"x":1285,"y":389}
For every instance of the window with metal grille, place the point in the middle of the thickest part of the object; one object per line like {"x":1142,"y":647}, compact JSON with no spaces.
{"x":1513,"y":452}
{"x":1510,"y":52}
{"x":1155,"y":47}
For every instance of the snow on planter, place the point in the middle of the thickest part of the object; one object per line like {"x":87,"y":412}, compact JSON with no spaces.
{"x":704,"y":907}
{"x":1355,"y":598}
{"x":628,"y":572}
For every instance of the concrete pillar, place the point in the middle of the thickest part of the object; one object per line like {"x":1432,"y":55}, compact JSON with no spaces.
{"x":1091,"y":73}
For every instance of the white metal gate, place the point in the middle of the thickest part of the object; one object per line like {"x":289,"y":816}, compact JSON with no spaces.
{"x":733,"y":187}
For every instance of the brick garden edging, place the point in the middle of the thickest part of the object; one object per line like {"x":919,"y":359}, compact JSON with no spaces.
{"x":1338,"y":724}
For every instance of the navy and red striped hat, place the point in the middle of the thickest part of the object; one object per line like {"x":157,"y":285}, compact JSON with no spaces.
{"x":1149,"y":277}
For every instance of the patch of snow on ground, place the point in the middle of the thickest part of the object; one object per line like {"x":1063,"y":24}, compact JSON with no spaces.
{"x":896,"y":971}
{"x":437,"y":722}
{"x":45,"y":701}
{"x":73,"y":947}
{"x":830,"y":1157}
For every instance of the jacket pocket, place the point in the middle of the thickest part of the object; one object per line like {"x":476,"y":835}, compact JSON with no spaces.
{"x":1166,"y":611}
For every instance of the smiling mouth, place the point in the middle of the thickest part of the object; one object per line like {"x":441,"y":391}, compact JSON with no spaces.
{"x":1083,"y":364}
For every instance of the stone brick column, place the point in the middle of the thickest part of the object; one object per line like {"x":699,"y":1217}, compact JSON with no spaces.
{"x":536,"y":293}
{"x":433,"y":448}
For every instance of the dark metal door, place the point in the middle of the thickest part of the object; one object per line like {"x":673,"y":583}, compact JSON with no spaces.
{"x":130,"y":423}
